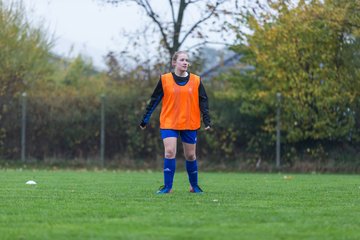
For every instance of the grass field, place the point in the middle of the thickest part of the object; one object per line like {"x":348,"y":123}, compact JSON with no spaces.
{"x":122,"y":205}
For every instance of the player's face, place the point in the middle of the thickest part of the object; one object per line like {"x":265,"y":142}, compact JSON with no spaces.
{"x":182,"y":62}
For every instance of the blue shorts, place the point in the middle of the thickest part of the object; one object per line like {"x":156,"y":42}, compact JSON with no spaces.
{"x":187,"y":136}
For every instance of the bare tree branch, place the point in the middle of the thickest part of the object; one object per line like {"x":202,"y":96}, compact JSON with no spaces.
{"x":212,"y":12}
{"x":172,"y":10}
{"x":194,"y":1}
{"x":178,"y":25}
{"x":173,"y":32}
{"x":149,"y":11}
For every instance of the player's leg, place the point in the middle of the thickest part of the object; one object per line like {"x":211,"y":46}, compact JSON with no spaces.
{"x":170,"y":142}
{"x":189,"y":145}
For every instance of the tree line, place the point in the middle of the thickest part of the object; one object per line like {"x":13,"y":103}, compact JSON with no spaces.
{"x":308,"y":52}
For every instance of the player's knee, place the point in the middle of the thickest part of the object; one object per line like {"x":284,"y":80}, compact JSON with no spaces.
{"x":170,"y":153}
{"x":190,"y":156}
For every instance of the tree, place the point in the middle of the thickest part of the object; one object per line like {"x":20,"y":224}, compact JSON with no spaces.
{"x":307,"y":53}
{"x":24,"y":60}
{"x":173,"y":28}
{"x":25,"y":50}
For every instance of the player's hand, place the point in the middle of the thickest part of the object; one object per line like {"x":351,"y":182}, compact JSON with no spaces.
{"x":142,"y":125}
{"x":207,"y":128}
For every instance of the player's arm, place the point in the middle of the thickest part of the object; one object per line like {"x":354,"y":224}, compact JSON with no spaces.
{"x":155,"y":99}
{"x":204,"y":106}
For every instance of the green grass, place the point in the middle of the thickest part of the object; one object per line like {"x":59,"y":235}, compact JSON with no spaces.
{"x":122,"y":205}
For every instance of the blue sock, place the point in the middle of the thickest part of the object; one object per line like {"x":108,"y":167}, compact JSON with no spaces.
{"x":192,"y":169}
{"x":169,"y":171}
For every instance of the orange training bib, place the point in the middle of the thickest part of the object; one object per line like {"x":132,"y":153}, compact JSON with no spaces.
{"x":180,"y":105}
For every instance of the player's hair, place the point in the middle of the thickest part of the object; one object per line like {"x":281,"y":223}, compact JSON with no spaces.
{"x":176,"y":55}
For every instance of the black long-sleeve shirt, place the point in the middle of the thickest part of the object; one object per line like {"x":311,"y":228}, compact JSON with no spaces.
{"x":158,"y":94}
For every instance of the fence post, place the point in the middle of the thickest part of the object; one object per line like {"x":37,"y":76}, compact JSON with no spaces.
{"x":23,"y":126}
{"x":102,"y":131}
{"x":278,"y":127}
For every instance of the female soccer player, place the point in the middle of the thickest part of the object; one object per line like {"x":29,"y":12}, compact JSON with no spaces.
{"x":183,"y":98}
